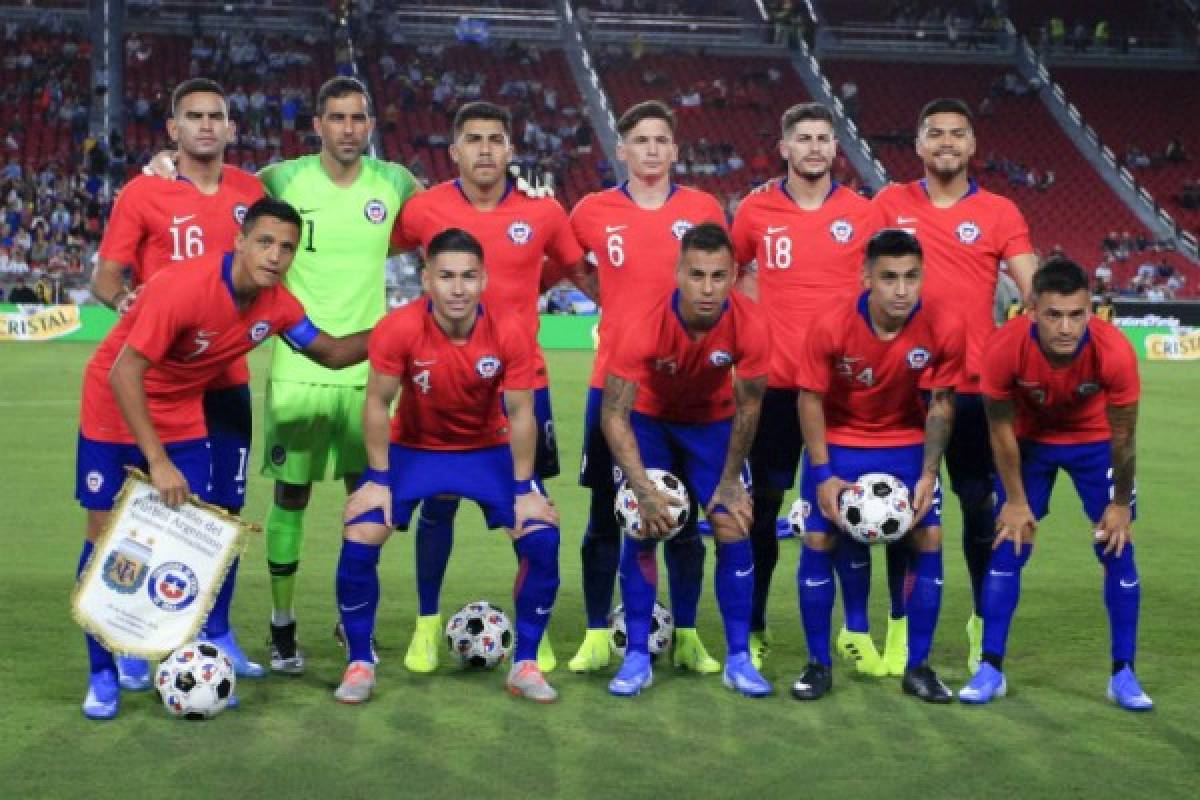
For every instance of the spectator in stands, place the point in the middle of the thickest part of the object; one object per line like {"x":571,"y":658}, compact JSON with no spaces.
{"x":1175,"y":153}
{"x":1189,"y":198}
{"x":20,"y":293}
{"x":1104,"y":276}
{"x":849,"y":97}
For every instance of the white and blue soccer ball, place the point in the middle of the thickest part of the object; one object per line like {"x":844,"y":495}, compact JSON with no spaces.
{"x":796,"y":516}
{"x":196,"y":681}
{"x":479,"y":635}
{"x":662,"y":628}
{"x":877,"y":508}
{"x":629,"y":520}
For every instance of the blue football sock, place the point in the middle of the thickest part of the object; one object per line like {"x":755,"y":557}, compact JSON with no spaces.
{"x":734,"y":584}
{"x":685,"y":574}
{"x":535,"y":588}
{"x":639,"y":586}
{"x":358,"y":596}
{"x":98,"y":657}
{"x":901,"y":566}
{"x":814,"y":581}
{"x":600,"y":554}
{"x":1001,"y":592}
{"x":217,"y":623}
{"x":852,"y":562}
{"x":923,"y":606}
{"x":1122,"y":598}
{"x":764,"y":539}
{"x":434,"y":540}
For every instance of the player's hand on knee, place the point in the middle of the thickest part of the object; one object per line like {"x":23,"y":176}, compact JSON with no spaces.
{"x":172,"y":487}
{"x":923,"y":495}
{"x":734,"y":500}
{"x":162,"y":165}
{"x":828,"y":494}
{"x":1115,"y":529}
{"x":534,"y":507}
{"x":654,"y":509}
{"x":369,"y":497}
{"x":1015,"y":523}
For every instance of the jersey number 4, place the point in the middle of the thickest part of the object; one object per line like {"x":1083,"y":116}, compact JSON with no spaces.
{"x":421,"y":379}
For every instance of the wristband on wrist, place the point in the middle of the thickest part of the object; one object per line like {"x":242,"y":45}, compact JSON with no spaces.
{"x":523,"y":487}
{"x":379,"y":476}
{"x":821,"y":472}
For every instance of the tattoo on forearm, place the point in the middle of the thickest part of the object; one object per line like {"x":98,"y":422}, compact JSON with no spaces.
{"x":939,"y":424}
{"x":1123,"y":422}
{"x":619,"y":398}
{"x":748,"y":397}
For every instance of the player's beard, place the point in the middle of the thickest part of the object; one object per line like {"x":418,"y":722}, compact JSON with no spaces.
{"x":811,"y":177}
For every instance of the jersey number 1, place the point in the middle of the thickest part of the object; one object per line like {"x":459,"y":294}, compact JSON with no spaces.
{"x":308,"y":223}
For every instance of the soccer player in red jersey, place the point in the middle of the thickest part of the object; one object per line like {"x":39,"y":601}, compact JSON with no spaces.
{"x":683,"y":393}
{"x":800,"y":244}
{"x":862,"y":410}
{"x":965,"y":232}
{"x":143,"y":389}
{"x":632,"y":231}
{"x":520,"y":234}
{"x":453,"y":361}
{"x":157,"y":223}
{"x":1062,"y":392}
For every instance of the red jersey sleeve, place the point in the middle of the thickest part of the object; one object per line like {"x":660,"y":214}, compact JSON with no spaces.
{"x":520,"y":366}
{"x":947,"y":372}
{"x":289,"y":311}
{"x":126,"y":226}
{"x":999,"y":370}
{"x":387,"y":349}
{"x":1119,"y":370}
{"x":562,"y":247}
{"x":161,"y":315}
{"x":813,"y":371}
{"x":1013,"y":233}
{"x":754,"y":345}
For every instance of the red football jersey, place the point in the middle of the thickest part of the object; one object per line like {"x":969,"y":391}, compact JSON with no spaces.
{"x":681,"y":379}
{"x":157,"y":222}
{"x":636,"y":251}
{"x":187,"y":323}
{"x":963,"y":245}
{"x":871,"y":386}
{"x":451,"y":394}
{"x":518,"y":235}
{"x":806,"y":261}
{"x":1061,"y":405}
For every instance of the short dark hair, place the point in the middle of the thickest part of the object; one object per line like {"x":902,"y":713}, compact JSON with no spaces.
{"x":893,"y":243}
{"x":194,"y":86}
{"x":647,"y":109}
{"x":340,"y":87}
{"x":482,"y":110}
{"x":707,"y":237}
{"x":270,"y":207}
{"x":802,"y":112}
{"x":945,"y":105}
{"x":1060,"y":276}
{"x":453,"y":240}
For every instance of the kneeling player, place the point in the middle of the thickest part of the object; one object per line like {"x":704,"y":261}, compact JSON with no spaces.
{"x":144,"y":387}
{"x":669,"y":403}
{"x":861,"y":410}
{"x":1062,"y":393}
{"x":450,"y":437}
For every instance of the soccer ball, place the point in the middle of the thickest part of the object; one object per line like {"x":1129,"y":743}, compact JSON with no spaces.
{"x":662,"y":626}
{"x":876,"y":509}
{"x":628,"y":518}
{"x":479,"y":635}
{"x":796,"y":516}
{"x":196,"y":681}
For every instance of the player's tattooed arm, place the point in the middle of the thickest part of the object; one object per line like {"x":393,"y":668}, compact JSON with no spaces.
{"x":1016,"y":521}
{"x":619,"y":398}
{"x":1022,"y":268}
{"x":939,"y":423}
{"x":127,"y":381}
{"x":731,"y":492}
{"x":584,"y":276}
{"x":1115,"y":527}
{"x":108,"y":286}
{"x":376,"y":492}
{"x":747,"y":282}
{"x":810,"y":407}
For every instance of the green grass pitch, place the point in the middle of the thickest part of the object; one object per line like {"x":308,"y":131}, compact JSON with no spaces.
{"x":458,"y":734}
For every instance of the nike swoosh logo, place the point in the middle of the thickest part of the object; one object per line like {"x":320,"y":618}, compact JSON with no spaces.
{"x":742,"y":574}
{"x":938,"y":581}
{"x":811,"y":582}
{"x":428,"y":363}
{"x":614,"y":228}
{"x":1128,"y":584}
{"x":541,"y":612}
{"x":859,"y":564}
{"x":307,"y":210}
{"x":905,"y":220}
{"x":348,"y":609}
{"x":1000,"y":574}
{"x":777,"y":228}
{"x":180,"y":220}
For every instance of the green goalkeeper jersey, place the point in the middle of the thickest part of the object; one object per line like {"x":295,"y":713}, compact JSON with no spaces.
{"x":338,"y":273}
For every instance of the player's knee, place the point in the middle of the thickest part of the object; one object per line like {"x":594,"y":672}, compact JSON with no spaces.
{"x":821,"y":542}
{"x":726,"y":531}
{"x":928,"y":539}
{"x":292,"y":496}
{"x":367,"y":533}
{"x":602,"y":522}
{"x":975,"y":494}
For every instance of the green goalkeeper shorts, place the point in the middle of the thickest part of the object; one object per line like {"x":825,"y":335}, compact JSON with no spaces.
{"x":310,"y":428}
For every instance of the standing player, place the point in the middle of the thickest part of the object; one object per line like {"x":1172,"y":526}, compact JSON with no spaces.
{"x":965,"y":232}
{"x":143,"y":390}
{"x":862,"y":410}
{"x":1062,"y":392}
{"x":157,"y":223}
{"x":633,"y":233}
{"x":314,"y":416}
{"x":806,"y":236}
{"x":453,"y":361}
{"x":519,"y":234}
{"x":669,"y":404}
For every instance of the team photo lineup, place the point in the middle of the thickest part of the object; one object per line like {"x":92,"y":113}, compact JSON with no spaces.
{"x":818,"y":341}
